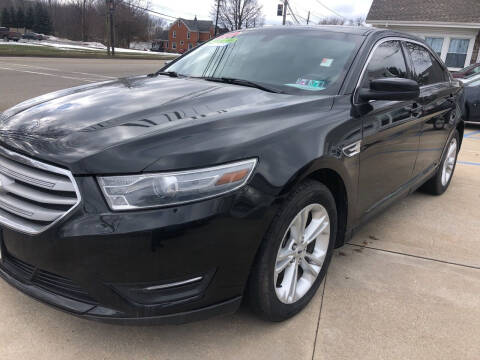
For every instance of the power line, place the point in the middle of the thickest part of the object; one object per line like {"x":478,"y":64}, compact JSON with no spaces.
{"x":152,"y":11}
{"x":309,"y":11}
{"x":332,"y":11}
{"x":293,"y":14}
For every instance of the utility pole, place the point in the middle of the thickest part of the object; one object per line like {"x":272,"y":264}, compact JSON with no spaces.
{"x":308,"y":18}
{"x":112,"y":32}
{"x":285,"y":4}
{"x":107,"y":27}
{"x":216,"y":21}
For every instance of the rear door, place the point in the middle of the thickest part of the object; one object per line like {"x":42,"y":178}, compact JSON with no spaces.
{"x":390,"y":132}
{"x":436,"y":104}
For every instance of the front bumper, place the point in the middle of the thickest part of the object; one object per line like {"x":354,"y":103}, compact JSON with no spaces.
{"x":98,"y":264}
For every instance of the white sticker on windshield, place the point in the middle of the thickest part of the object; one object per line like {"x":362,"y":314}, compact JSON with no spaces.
{"x":326,"y":62}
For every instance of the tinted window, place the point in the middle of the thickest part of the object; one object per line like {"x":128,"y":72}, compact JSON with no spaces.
{"x":386,"y":62}
{"x":427,"y":70}
{"x":274,"y":57}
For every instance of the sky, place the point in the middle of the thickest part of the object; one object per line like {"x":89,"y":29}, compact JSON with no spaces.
{"x":201,"y":8}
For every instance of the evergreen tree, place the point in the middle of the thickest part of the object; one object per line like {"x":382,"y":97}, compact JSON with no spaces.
{"x":20,"y":18}
{"x":42,"y":24}
{"x":13,"y":17}
{"x":29,"y":18}
{"x":5,"y":19}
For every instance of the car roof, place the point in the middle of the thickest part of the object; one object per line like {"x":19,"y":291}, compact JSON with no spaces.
{"x":354,"y":30}
{"x":358,"y":30}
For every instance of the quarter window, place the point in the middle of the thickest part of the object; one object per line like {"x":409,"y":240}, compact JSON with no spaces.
{"x":387,"y":62}
{"x":435,"y":43}
{"x":457,"y":53}
{"x":427,"y":70}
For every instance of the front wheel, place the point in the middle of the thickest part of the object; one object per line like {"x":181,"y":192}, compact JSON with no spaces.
{"x":295,"y":254}
{"x":439,"y":183}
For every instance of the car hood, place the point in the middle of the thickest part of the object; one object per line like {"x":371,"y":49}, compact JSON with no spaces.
{"x":99,"y":128}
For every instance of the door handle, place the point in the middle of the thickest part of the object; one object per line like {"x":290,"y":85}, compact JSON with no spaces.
{"x":415,"y":110}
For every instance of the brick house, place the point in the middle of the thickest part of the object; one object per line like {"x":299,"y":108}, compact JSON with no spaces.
{"x":184,"y":34}
{"x":451,"y":28}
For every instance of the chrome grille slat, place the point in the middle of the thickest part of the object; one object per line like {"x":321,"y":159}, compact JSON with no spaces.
{"x":34,"y":195}
{"x":18,"y":223}
{"x":34,"y":177}
{"x":39,"y":196}
{"x":28,"y":210}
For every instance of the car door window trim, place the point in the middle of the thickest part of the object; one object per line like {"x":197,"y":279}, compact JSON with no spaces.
{"x":407,"y":63}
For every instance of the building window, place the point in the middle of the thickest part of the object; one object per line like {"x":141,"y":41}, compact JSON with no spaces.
{"x":174,"y":34}
{"x":190,"y":46}
{"x":174,"y":45}
{"x":188,"y":35}
{"x":457,"y":53}
{"x":435,"y":43}
{"x":182,"y":43}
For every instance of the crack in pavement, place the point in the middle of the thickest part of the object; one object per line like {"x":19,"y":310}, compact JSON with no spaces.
{"x":416,"y":256}
{"x":319,"y":315}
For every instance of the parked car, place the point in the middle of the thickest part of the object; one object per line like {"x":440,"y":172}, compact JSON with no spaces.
{"x":472,"y":98}
{"x":468,"y":71}
{"x":32,"y":36}
{"x":170,"y":197}
{"x":3,"y":32}
{"x":12,"y":35}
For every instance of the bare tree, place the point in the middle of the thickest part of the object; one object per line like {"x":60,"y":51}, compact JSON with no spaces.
{"x":358,"y":21}
{"x":238,"y":14}
{"x":333,"y":20}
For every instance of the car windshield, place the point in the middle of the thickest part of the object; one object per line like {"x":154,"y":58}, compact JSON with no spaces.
{"x":293,"y":61}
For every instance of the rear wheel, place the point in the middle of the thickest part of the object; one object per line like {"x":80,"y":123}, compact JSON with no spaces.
{"x":439,"y":183}
{"x":295,"y":254}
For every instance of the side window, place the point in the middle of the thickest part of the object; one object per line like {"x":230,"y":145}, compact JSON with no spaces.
{"x":427,"y":70}
{"x":387,"y":62}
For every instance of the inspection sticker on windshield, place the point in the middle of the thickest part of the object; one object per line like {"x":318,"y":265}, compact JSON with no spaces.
{"x":224,"y":40}
{"x":308,"y":84}
{"x":326,"y":62}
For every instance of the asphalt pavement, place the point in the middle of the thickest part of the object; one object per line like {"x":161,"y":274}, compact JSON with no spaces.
{"x":406,"y":287}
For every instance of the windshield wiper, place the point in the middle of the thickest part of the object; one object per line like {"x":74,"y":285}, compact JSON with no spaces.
{"x":243,"y":82}
{"x":168,"y":73}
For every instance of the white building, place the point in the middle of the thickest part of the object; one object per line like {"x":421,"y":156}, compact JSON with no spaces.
{"x":451,"y":28}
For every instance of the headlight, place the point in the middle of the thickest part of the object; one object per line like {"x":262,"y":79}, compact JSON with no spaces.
{"x":164,"y":189}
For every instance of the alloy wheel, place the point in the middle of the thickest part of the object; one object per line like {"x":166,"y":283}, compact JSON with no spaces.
{"x":449,"y":162}
{"x":302,"y":253}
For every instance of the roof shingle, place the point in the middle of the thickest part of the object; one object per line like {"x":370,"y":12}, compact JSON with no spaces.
{"x":462,"y":11}
{"x":198,"y":25}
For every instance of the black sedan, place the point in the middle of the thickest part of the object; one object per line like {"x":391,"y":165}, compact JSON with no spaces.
{"x":472,"y":98}
{"x":233,"y":172}
{"x":32,"y":36}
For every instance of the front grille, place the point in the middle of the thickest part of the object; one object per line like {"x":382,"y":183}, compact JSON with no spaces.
{"x":34,"y":195}
{"x":46,"y":280}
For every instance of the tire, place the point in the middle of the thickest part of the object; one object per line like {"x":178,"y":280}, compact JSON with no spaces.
{"x":267,"y":294}
{"x":438,"y":184}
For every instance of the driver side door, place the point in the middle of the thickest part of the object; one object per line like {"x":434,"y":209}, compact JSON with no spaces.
{"x":391,"y":131}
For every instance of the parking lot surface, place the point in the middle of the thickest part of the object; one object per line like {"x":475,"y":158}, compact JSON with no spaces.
{"x":407,"y":286}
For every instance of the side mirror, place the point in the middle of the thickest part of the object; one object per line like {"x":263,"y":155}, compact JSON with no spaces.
{"x":390,"y":89}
